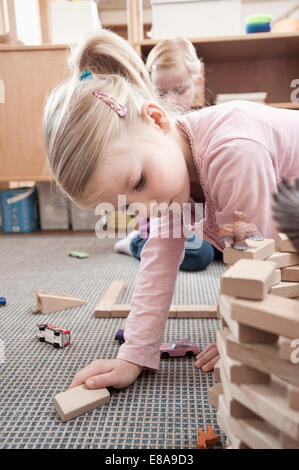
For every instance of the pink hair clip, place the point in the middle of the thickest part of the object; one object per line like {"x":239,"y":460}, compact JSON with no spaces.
{"x":112,"y":103}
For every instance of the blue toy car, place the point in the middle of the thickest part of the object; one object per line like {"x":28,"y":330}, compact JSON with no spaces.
{"x":2,"y":301}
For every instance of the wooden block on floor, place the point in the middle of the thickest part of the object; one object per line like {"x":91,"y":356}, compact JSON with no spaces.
{"x":270,"y":404}
{"x":284,"y":243}
{"x":293,"y":397}
{"x":79,"y":400}
{"x":254,"y":432}
{"x":284,"y":260}
{"x":249,"y":279}
{"x":237,"y":372}
{"x":242,"y":332}
{"x":290,"y":274}
{"x":120,"y":310}
{"x":262,"y":357}
{"x":217,"y":371}
{"x":257,"y":250}
{"x":110,"y":297}
{"x":196,"y":311}
{"x":274,"y":314}
{"x":48,"y":303}
{"x":286,"y":289}
{"x":287,"y":442}
{"x":172,"y":311}
{"x":213,"y":394}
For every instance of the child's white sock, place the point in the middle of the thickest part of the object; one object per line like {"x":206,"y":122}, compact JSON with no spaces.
{"x":123,"y":245}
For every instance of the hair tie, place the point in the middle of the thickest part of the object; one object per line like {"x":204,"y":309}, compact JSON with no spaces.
{"x":86,"y":75}
{"x":120,"y":109}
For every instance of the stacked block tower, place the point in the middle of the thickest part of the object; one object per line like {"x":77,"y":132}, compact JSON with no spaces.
{"x":258,"y":391}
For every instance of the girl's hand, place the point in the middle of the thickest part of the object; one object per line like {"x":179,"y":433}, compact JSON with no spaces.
{"x":207,"y":359}
{"x":104,"y":373}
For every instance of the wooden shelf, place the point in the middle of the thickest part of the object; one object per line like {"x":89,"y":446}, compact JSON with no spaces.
{"x":248,"y":46}
{"x":285,"y":105}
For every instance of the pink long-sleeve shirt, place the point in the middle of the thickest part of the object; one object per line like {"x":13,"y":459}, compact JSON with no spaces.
{"x":241,"y":151}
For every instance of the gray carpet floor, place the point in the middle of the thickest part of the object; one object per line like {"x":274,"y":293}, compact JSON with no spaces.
{"x":162,"y":410}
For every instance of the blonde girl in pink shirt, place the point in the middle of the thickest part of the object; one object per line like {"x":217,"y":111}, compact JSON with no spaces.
{"x":107,"y":136}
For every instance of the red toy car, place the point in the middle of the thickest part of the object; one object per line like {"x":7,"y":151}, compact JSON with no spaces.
{"x":54,"y":335}
{"x":180,"y":347}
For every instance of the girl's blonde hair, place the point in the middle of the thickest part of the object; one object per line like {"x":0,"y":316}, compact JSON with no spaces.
{"x":76,"y":125}
{"x":172,"y":52}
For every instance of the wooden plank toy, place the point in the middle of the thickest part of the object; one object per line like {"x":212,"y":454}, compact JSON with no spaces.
{"x":284,"y":260}
{"x":290,"y":274}
{"x":47,"y":303}
{"x":257,"y":250}
{"x":285,"y":244}
{"x":293,"y":397}
{"x":249,"y":279}
{"x":196,"y":311}
{"x":286,"y":289}
{"x":213,"y":394}
{"x":109,"y":299}
{"x":79,"y":400}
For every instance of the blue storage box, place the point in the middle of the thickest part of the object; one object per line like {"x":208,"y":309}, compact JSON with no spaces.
{"x":19,"y":210}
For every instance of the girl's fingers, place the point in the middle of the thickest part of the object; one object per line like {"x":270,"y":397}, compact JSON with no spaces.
{"x":95,"y":368}
{"x":210,"y":365}
{"x":101,"y":381}
{"x":207,"y":349}
{"x":208,"y":356}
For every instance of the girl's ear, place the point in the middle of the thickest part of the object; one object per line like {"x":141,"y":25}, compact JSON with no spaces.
{"x":153,"y":114}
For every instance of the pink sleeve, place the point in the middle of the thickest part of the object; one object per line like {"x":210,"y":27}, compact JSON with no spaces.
{"x":242,"y":177}
{"x":145,"y":325}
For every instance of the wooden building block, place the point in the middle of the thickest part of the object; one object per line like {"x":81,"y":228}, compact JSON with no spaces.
{"x":277,"y":278}
{"x":287,"y":442}
{"x":290,"y":274}
{"x":222,"y":421}
{"x":270,"y":404}
{"x":255,"y":433}
{"x":286,"y":289}
{"x":47,"y":303}
{"x":246,"y":334}
{"x":78,"y":400}
{"x":257,"y":250}
{"x":274,"y":314}
{"x":196,"y":311}
{"x":284,"y":260}
{"x":110,"y":297}
{"x":120,"y":310}
{"x":217,"y":371}
{"x":262,"y":357}
{"x":213,"y":394}
{"x":284,"y":244}
{"x":249,"y":279}
{"x":237,"y":372}
{"x":284,"y":348}
{"x":293,"y":397}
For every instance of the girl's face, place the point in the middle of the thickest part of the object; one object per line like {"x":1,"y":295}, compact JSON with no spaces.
{"x":153,"y":166}
{"x":176,"y":86}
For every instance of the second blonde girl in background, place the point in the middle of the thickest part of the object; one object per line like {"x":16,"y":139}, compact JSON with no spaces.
{"x":177,"y":76}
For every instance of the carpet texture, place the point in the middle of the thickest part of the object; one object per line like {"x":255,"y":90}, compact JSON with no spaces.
{"x":160,"y":411}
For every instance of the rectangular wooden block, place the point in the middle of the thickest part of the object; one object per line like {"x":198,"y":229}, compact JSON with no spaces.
{"x":274,"y":314}
{"x":196,"y":311}
{"x":293,"y":397}
{"x":284,"y":244}
{"x":287,"y":442}
{"x":290,"y":274}
{"x":79,"y":400}
{"x":284,"y":348}
{"x":217,"y":371}
{"x":223,"y":423}
{"x":284,"y":260}
{"x":257,"y":250}
{"x":255,"y":433}
{"x":249,"y":279}
{"x":120,"y":310}
{"x":262,"y":357}
{"x":270,"y":404}
{"x":286,"y":289}
{"x":246,"y":334}
{"x":237,"y":372}
{"x":278,"y":278}
{"x":213,"y":394}
{"x":110,"y":297}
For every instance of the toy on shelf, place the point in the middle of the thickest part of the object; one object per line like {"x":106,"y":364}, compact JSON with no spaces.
{"x":47,"y":303}
{"x":235,"y":234}
{"x":258,"y":24}
{"x":2,"y":301}
{"x":53,"y":335}
{"x":78,"y":254}
{"x":286,"y":210}
{"x":206,"y":439}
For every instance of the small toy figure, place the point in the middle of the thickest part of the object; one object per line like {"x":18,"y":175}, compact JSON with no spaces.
{"x":2,"y":301}
{"x":286,"y":210}
{"x":78,"y":254}
{"x":119,"y":336}
{"x":54,"y":335}
{"x":206,"y":439}
{"x":235,"y":234}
